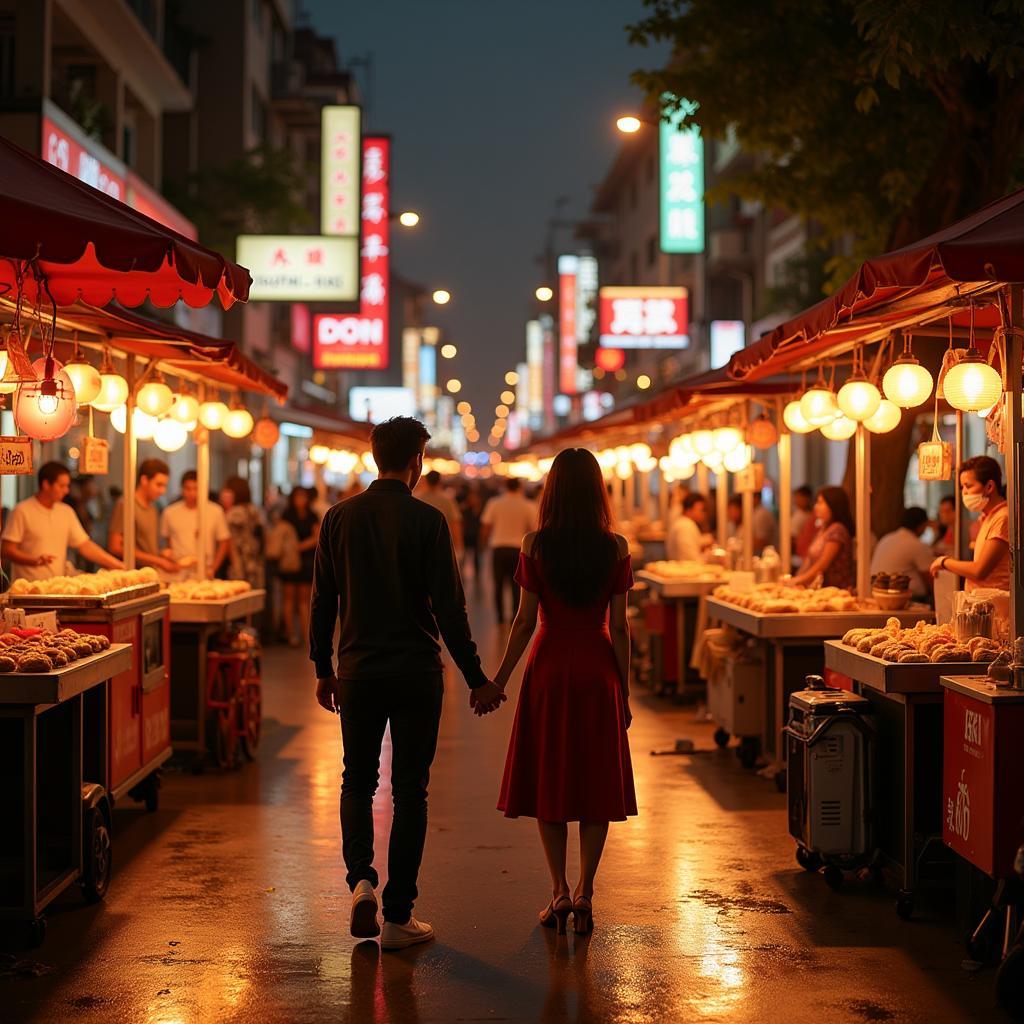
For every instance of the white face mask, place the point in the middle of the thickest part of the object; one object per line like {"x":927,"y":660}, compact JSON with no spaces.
{"x":974,"y":501}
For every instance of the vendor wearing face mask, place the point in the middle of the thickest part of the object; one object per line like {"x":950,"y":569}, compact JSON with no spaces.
{"x":981,"y":490}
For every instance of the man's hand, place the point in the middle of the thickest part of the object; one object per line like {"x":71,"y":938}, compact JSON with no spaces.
{"x":487,"y":698}
{"x":328,"y":694}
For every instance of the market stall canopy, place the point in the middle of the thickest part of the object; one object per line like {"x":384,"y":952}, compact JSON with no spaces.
{"x":926,"y":280}
{"x":87,"y":246}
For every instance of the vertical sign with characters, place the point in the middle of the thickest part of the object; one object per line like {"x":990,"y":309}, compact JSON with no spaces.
{"x":339,"y":170}
{"x":682,"y":183}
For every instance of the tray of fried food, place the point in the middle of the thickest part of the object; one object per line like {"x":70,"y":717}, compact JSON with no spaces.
{"x":208,"y":590}
{"x":86,"y":590}
{"x":923,"y":642}
{"x":786,"y":599}
{"x":47,"y":651}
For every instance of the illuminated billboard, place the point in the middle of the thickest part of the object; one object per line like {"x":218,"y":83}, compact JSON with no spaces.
{"x":644,"y":317}
{"x":342,"y":342}
{"x":682,"y":184}
{"x":374,"y":405}
{"x":568,"y":342}
{"x":340,"y":155}
{"x":300,"y":268}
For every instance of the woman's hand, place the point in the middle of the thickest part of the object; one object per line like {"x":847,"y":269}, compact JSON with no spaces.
{"x":937,"y":566}
{"x":627,"y":714}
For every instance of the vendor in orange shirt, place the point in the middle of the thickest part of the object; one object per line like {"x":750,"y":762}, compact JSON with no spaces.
{"x":981,"y":490}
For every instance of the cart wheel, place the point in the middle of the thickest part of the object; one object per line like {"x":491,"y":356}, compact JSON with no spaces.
{"x":748,"y":750}
{"x":721,"y":737}
{"x":1010,"y":983}
{"x":833,"y":877}
{"x":222,"y":720}
{"x":35,"y":932}
{"x":905,"y":905}
{"x":251,"y":711}
{"x":780,"y":780}
{"x":96,"y":856}
{"x":808,"y":859}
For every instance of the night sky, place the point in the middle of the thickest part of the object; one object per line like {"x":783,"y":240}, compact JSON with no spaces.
{"x":496,"y":109}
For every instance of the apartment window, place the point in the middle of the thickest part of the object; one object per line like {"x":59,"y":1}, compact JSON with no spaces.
{"x":259,"y":115}
{"x":652,"y":250}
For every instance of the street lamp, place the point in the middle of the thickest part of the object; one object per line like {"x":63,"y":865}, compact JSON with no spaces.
{"x":629,"y":124}
{"x":511,"y":378}
{"x":408,"y":219}
{"x":643,"y":382}
{"x":442,"y":297}
{"x":544,"y":293}
{"x":454,"y":386}
{"x":449,"y":351}
{"x":508,"y":397}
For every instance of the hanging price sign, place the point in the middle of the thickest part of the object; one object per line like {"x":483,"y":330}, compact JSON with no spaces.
{"x":934,"y":460}
{"x":15,"y":455}
{"x":95,"y":459}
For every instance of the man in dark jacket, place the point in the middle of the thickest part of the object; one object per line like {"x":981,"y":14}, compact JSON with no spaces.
{"x":387,"y":575}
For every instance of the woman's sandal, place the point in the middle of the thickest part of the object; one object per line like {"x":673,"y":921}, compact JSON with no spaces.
{"x":556,"y":913}
{"x":583,"y":915}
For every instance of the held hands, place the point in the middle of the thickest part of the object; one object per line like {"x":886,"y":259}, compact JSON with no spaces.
{"x":328,"y":694}
{"x":487,"y":698}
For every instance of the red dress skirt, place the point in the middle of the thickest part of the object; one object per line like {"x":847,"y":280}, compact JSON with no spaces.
{"x":568,"y":758}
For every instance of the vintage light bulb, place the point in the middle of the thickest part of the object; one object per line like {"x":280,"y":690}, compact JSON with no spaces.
{"x":907,"y":383}
{"x":972,"y":385}
{"x":45,"y":408}
{"x":859,"y":399}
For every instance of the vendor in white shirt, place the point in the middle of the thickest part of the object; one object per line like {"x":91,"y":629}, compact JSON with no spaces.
{"x":686,"y":540}
{"x":902,"y":552}
{"x":41,"y":529}
{"x":179,"y":530}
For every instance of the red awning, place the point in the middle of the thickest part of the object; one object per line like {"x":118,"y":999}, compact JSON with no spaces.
{"x":90,"y":247}
{"x":923,"y":280}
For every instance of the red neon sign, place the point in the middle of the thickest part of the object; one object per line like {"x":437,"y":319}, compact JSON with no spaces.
{"x":567,"y":352}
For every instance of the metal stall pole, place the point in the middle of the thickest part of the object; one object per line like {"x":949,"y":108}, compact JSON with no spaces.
{"x":722,"y":505}
{"x":785,"y":449}
{"x":958,"y":513}
{"x":203,"y":485}
{"x":130,"y":461}
{"x":662,"y":499}
{"x":862,"y":520}
{"x":1015,"y":464}
{"x":748,"y":530}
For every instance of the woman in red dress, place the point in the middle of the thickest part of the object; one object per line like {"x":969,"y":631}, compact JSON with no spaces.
{"x":568,"y":758}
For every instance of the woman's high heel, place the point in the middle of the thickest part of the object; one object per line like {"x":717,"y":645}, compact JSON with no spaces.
{"x":582,"y":915}
{"x":556,"y":913}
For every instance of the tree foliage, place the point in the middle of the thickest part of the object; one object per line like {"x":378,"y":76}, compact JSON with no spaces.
{"x":879,"y":119}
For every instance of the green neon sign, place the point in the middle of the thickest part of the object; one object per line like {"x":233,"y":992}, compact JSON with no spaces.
{"x":682,"y":184}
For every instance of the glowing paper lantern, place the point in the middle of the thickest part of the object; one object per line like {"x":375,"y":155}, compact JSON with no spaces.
{"x":185,"y":409}
{"x":907,"y":383}
{"x":886,"y":418}
{"x":170,"y":435}
{"x":113,"y":391}
{"x":859,"y":399}
{"x":842,"y":428}
{"x":238,"y":423}
{"x":85,"y":379}
{"x":762,"y":433}
{"x":213,"y":414}
{"x":319,"y":454}
{"x":738,"y":459}
{"x":266,"y":433}
{"x":703,"y":441}
{"x":726,"y":439}
{"x":713,"y":460}
{"x":818,"y":405}
{"x":972,"y":385}
{"x":639,"y":452}
{"x":45,"y":408}
{"x":143,"y":425}
{"x":794,"y":419}
{"x":154,"y":398}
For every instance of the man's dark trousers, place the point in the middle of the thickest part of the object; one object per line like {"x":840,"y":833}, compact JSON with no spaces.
{"x":504,"y":562}
{"x":412,"y":705}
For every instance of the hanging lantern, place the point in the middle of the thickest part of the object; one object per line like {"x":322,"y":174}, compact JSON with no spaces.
{"x":713,"y":460}
{"x":794,"y":419}
{"x":886,"y":418}
{"x":606,"y":459}
{"x":738,"y":459}
{"x":371,"y":466}
{"x":842,"y":428}
{"x":319,"y":454}
{"x":703,"y":441}
{"x":185,"y":409}
{"x":155,"y":397}
{"x":45,"y":408}
{"x":859,"y":399}
{"x":907,"y":383}
{"x":624,"y":470}
{"x":639,"y":452}
{"x":818,"y":405}
{"x":85,"y":378}
{"x":726,"y":439}
{"x":113,"y":387}
{"x":213,"y":414}
{"x":238,"y":423}
{"x":762,"y":433}
{"x":266,"y":433}
{"x":170,"y":435}
{"x":143,"y":425}
{"x":972,"y":385}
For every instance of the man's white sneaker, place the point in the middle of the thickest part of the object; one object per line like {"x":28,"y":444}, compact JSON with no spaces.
{"x":400,"y":936}
{"x":363,"y":921}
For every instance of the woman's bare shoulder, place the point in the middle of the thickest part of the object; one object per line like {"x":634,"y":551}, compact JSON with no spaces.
{"x":622,"y":544}
{"x":528,"y":541}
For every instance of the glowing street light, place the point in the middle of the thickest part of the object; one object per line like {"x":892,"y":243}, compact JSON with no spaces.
{"x":544,"y":293}
{"x":511,"y":378}
{"x":643,"y":382}
{"x":408,"y":219}
{"x":508,"y":397}
{"x":454,"y":386}
{"x":629,"y":124}
{"x":442,"y":297}
{"x":463,"y":408}
{"x":501,"y":411}
{"x":449,"y":351}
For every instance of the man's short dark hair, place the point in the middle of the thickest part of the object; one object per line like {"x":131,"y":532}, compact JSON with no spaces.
{"x":914,"y":518}
{"x":805,"y":491}
{"x":433,"y":478}
{"x":693,"y":498}
{"x":190,"y":476}
{"x":513,"y":483}
{"x":151,"y":468}
{"x":947,"y":499}
{"x":396,"y":442}
{"x":51,"y":472}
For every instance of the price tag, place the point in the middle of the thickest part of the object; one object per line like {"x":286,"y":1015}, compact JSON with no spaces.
{"x":934,"y":460}
{"x":749,"y":480}
{"x":95,"y":459}
{"x":15,"y":455}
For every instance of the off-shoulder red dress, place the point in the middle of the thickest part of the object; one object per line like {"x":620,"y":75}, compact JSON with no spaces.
{"x":568,"y":758}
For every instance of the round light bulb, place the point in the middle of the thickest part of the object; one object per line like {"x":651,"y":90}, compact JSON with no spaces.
{"x":818,"y":406}
{"x":907,"y":383}
{"x":85,"y":379}
{"x":794,"y":419}
{"x":238,"y":423}
{"x":859,"y":399}
{"x":703,"y":441}
{"x":713,"y":460}
{"x":170,"y":435}
{"x":154,"y":398}
{"x":143,"y":425}
{"x":639,"y":452}
{"x":47,"y":404}
{"x":185,"y":409}
{"x":726,"y":439}
{"x":38,"y":413}
{"x":113,"y":392}
{"x":212,"y":415}
{"x":886,"y":417}
{"x":319,"y":454}
{"x":736,"y":460}
{"x":842,"y":428}
{"x":972,"y":385}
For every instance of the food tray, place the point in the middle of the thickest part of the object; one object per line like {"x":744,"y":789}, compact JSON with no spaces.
{"x":890,"y":676}
{"x":678,"y":586}
{"x":64,"y":683}
{"x":812,"y":625}
{"x":226,"y":610}
{"x":107,"y":600}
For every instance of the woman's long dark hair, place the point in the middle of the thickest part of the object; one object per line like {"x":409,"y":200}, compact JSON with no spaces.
{"x":575,"y":546}
{"x":839,"y":505}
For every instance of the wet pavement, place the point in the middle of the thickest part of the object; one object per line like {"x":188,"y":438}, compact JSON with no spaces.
{"x":228,"y":903}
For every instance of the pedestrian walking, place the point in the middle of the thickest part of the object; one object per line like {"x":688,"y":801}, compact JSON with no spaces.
{"x":387,"y":578}
{"x":505,"y":521}
{"x":568,"y":758}
{"x":245,"y":522}
{"x":434,"y":494}
{"x":299,"y":515}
